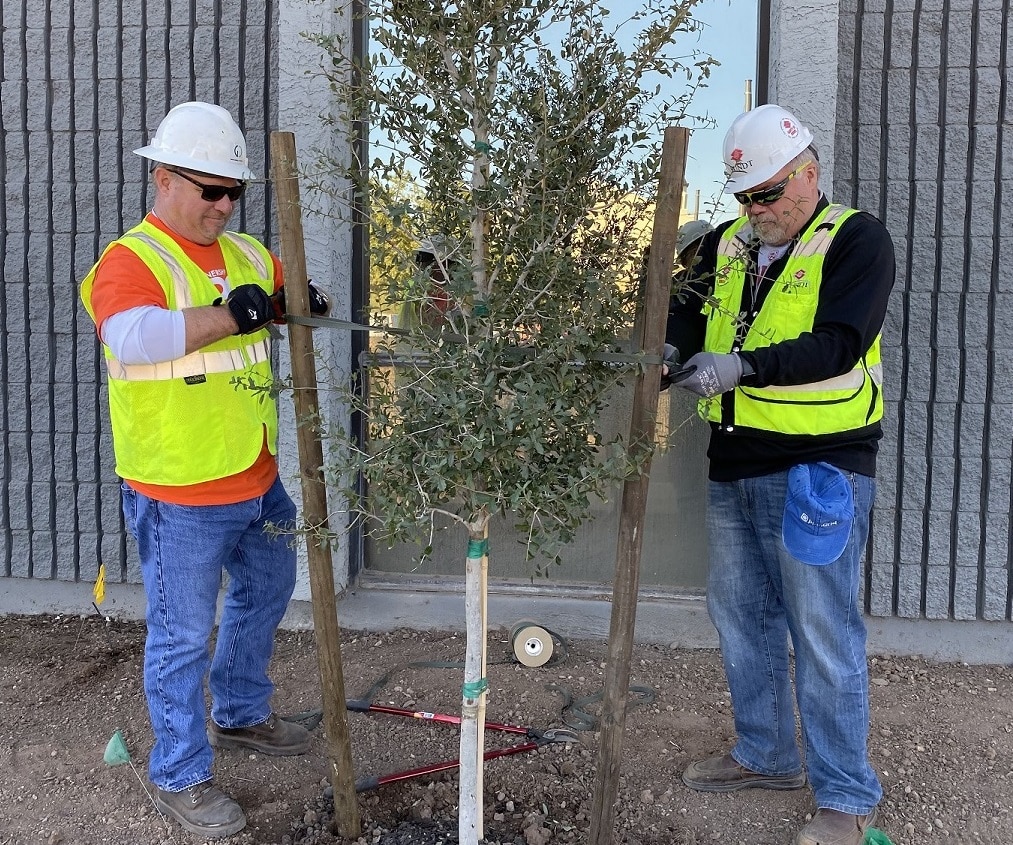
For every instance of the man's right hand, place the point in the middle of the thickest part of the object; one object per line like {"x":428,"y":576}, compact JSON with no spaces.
{"x":250,"y":307}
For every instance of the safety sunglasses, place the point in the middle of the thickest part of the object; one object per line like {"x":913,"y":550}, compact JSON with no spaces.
{"x":213,"y":193}
{"x":768,"y":196}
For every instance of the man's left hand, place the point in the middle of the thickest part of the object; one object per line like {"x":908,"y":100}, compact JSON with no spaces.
{"x":710,"y":373}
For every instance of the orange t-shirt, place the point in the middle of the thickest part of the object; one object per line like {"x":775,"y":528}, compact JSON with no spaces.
{"x":123,"y":281}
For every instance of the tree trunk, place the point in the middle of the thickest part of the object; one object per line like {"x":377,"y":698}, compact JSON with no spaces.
{"x":470,"y":824}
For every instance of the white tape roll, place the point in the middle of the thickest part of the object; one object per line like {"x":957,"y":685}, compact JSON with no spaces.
{"x":532,"y":645}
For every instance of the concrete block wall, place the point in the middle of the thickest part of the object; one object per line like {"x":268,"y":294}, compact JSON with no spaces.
{"x":82,"y":85}
{"x":924,"y":139}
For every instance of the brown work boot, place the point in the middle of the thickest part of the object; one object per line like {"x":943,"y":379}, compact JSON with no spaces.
{"x":830,"y":827}
{"x":275,"y":736}
{"x":202,"y":809}
{"x":724,"y":774}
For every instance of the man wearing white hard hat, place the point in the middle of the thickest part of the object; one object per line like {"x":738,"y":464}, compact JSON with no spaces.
{"x":182,"y":306}
{"x":779,"y":334}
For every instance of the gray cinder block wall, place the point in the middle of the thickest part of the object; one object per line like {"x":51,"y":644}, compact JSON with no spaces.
{"x":924,"y":124}
{"x":917,"y":104}
{"x":83,"y":85}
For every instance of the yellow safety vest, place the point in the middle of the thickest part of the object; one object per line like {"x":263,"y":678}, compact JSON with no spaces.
{"x":844,"y":403}
{"x":184,"y":421}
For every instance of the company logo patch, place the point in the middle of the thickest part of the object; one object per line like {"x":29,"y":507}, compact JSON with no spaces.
{"x":736,"y":154}
{"x":195,"y":379}
{"x":796,"y":283}
{"x":789,"y":128}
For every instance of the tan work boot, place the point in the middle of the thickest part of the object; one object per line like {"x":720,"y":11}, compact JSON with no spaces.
{"x":275,"y":736}
{"x":831,"y":827}
{"x":202,"y":809}
{"x":724,"y":774}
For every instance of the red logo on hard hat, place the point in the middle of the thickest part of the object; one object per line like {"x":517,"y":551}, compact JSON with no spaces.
{"x":789,"y":128}
{"x":736,"y":154}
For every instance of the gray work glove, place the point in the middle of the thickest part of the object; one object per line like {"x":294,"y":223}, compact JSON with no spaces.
{"x":670,"y":364}
{"x":709,"y":373}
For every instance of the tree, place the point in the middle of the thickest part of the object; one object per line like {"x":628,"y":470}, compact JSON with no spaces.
{"x":534,"y":138}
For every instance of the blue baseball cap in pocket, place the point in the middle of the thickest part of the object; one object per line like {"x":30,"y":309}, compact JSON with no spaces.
{"x":819,"y":510}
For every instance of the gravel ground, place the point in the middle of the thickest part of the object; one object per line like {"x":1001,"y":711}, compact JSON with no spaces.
{"x":942,"y":737}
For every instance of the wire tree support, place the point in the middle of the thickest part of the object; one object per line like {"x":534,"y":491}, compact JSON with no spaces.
{"x":314,"y":491}
{"x":634,"y":502}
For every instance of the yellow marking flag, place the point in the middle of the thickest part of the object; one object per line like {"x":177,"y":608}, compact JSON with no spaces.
{"x":100,"y":585}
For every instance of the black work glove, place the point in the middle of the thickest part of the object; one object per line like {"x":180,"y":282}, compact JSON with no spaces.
{"x":250,"y":307}
{"x":320,"y":302}
{"x":671,"y":362}
{"x":710,"y":373}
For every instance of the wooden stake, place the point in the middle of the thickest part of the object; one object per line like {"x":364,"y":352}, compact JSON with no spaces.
{"x":634,"y":505}
{"x":314,"y":490}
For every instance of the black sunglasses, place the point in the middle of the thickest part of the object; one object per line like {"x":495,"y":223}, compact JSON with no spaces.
{"x":213,"y":193}
{"x":768,"y":196}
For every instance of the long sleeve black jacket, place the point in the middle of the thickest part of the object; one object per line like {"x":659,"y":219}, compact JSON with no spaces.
{"x":858,"y":275}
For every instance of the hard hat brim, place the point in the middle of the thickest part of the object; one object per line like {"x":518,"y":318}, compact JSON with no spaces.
{"x":227,"y":170}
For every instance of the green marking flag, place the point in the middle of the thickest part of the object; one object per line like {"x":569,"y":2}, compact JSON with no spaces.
{"x":116,"y":750}
{"x":874,"y":836}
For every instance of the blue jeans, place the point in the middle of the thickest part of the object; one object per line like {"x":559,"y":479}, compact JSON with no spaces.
{"x":757,"y":594}
{"x":183,"y":550}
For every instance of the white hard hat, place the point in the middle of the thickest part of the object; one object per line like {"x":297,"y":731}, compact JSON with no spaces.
{"x":440,"y":247}
{"x":201,"y":137}
{"x":759,"y":143}
{"x":689,"y":233}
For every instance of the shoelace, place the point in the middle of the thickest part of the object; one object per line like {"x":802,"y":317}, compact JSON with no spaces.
{"x":198,"y":792}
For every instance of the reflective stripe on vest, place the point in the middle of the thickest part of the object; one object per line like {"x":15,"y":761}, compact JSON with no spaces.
{"x":194,"y":364}
{"x":842,"y":403}
{"x":851,"y":381}
{"x":181,"y":289}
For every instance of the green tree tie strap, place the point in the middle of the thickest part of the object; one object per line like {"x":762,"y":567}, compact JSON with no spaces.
{"x":473,"y":689}
{"x":478,"y":548}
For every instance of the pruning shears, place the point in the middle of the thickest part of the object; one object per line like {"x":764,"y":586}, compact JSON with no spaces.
{"x":535,"y":739}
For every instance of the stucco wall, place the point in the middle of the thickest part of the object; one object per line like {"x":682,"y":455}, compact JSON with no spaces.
{"x":803,"y":70}
{"x":307,"y":108}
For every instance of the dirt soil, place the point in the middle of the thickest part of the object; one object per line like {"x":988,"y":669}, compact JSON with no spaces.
{"x":942,"y":737}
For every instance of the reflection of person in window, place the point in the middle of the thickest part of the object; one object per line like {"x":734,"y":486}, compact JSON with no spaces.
{"x":688,"y":240}
{"x":433,"y":303}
